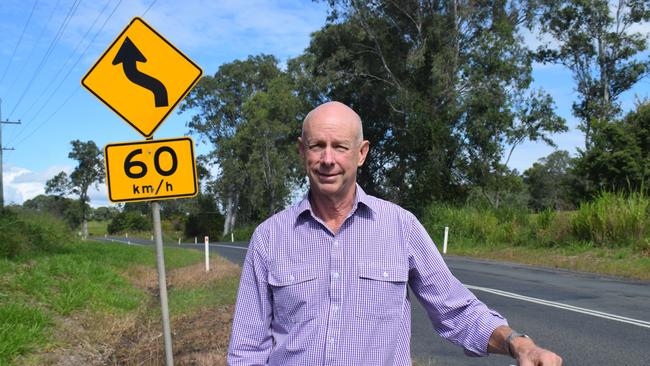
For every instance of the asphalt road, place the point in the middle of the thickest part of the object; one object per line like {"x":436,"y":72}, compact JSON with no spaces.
{"x":587,"y":319}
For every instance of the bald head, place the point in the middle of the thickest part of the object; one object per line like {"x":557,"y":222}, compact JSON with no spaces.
{"x":333,"y":111}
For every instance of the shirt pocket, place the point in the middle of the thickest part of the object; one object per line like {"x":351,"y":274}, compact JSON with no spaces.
{"x":381,"y":290}
{"x":294,"y":293}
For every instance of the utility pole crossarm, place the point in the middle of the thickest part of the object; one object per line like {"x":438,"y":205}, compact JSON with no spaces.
{"x":2,"y":195}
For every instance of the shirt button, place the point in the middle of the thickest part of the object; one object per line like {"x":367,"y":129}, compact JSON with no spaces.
{"x":332,"y":340}
{"x":335,"y":274}
{"x":336,"y":243}
{"x":335,"y":308}
{"x":385,"y":274}
{"x":291,"y":278}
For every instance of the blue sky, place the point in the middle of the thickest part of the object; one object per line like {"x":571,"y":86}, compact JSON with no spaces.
{"x":43,"y":90}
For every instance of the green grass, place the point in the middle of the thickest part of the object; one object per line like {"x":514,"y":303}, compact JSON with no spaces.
{"x":82,"y":276}
{"x":583,"y":257}
{"x":22,"y":328}
{"x":97,"y":228}
{"x":187,"y":300}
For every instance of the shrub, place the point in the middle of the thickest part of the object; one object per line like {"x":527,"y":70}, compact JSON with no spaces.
{"x":129,"y":220}
{"x":201,"y":225}
{"x":241,"y":233}
{"x":24,"y":232}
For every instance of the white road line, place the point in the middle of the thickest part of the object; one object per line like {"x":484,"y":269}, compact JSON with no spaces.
{"x":599,"y":314}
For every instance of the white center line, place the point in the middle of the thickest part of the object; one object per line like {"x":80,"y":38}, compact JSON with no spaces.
{"x":559,"y":305}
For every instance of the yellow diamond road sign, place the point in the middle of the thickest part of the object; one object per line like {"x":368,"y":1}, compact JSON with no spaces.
{"x":142,"y":77}
{"x":150,"y":170}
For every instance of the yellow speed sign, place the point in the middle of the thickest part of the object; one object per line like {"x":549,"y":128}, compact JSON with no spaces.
{"x":150,"y":170}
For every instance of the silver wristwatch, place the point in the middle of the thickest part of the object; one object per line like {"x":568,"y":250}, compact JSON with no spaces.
{"x":508,"y":342}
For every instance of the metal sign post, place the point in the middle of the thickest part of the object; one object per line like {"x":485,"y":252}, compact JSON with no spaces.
{"x":162,"y":283}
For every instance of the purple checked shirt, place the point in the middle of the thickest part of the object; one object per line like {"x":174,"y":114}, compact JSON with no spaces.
{"x":310,"y":297}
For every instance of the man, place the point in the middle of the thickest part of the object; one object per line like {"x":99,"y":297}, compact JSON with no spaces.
{"x":325,"y":282}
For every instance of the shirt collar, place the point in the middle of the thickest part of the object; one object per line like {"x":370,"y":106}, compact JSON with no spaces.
{"x":360,"y":197}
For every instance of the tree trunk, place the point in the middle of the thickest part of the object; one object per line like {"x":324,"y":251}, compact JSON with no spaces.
{"x":231,"y":213}
{"x":84,"y":229}
{"x":84,"y":222}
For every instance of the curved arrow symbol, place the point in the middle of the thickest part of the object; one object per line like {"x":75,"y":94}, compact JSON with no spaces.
{"x":128,"y":55}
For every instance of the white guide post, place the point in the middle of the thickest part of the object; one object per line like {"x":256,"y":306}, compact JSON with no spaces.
{"x":444,"y":244}
{"x":207,"y":254}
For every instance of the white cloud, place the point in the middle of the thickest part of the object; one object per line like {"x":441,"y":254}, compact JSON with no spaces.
{"x":21,"y":184}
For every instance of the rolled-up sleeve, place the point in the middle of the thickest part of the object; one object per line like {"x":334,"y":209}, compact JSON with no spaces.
{"x":456,"y":314}
{"x":251,"y":341}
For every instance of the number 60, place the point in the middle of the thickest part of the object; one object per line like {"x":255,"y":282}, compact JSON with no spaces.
{"x":129,"y":165}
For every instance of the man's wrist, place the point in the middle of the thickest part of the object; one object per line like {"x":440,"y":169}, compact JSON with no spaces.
{"x":511,"y":339}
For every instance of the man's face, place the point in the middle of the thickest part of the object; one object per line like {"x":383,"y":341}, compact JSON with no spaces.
{"x":332,"y":151}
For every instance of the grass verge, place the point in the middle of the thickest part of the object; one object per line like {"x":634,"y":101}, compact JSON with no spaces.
{"x":621,"y":262}
{"x":77,"y":305}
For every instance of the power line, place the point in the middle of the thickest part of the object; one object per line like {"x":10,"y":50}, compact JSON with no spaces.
{"x":149,"y":8}
{"x":19,"y":41}
{"x":31,"y":52}
{"x":69,"y":71}
{"x":45,"y":27}
{"x":50,"y":117}
{"x":53,"y":44}
{"x":31,"y":107}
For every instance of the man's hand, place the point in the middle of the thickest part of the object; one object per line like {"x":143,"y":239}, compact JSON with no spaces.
{"x":521,"y":348}
{"x":529,"y":354}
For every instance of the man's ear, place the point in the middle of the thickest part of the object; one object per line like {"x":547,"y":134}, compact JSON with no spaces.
{"x":363,"y":152}
{"x":301,"y":147}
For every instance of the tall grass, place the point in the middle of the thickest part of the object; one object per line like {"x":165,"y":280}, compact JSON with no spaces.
{"x":476,"y":226}
{"x":611,"y":220}
{"x":614,"y":220}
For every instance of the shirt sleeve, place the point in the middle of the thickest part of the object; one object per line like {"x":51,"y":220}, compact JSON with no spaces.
{"x":456,"y":314}
{"x":251,"y":341}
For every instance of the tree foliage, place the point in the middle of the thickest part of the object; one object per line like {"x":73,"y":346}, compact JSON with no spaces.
{"x":595,"y":40}
{"x":89,"y":171}
{"x":204,"y":219}
{"x":57,"y":206}
{"x":250,"y":113}
{"x":549,"y":182}
{"x":129,"y":221}
{"x":442,"y":87}
{"x":619,"y":159}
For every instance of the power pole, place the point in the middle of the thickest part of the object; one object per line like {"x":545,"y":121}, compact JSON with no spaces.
{"x":2,"y":148}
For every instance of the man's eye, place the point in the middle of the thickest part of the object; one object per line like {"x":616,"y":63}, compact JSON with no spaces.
{"x":315,"y":147}
{"x":341,"y":148}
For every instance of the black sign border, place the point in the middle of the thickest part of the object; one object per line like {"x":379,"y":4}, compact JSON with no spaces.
{"x":191,"y":85}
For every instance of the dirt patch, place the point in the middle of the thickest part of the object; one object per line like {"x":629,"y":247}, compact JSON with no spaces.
{"x":83,"y":339}
{"x":198,"y":339}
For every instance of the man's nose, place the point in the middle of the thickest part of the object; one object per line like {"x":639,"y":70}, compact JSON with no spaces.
{"x":328,"y":156}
